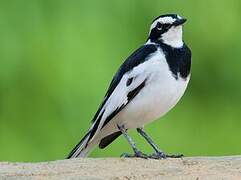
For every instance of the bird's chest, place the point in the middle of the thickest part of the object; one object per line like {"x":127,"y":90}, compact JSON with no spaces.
{"x":161,"y":92}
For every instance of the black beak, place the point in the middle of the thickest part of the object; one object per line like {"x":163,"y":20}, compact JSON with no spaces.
{"x":179,"y":22}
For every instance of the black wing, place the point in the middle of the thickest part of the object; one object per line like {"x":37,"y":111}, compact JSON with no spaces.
{"x":138,"y":57}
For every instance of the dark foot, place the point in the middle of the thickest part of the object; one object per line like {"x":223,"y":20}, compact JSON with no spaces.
{"x":174,"y":155}
{"x":161,"y":155}
{"x":138,"y":154}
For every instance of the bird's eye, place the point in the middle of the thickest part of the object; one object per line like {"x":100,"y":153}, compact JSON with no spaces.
{"x":159,"y":26}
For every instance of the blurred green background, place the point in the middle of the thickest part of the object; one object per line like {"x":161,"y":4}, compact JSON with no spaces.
{"x":57,"y":58}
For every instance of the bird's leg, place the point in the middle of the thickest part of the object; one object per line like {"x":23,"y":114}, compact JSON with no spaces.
{"x":137,"y":152}
{"x":159,"y":154}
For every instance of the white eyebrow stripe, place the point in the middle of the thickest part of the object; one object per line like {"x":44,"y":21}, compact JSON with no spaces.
{"x":162,"y":20}
{"x":166,"y":20}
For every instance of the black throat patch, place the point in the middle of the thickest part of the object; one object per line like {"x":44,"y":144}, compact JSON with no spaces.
{"x":178,"y":59}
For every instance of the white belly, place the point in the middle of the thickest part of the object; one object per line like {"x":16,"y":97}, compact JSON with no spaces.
{"x":152,"y":103}
{"x":160,"y":94}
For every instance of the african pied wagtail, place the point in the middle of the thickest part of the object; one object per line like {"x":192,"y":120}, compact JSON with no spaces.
{"x":147,"y":85}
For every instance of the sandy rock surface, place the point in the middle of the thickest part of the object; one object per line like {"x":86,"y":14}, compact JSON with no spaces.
{"x":193,"y":168}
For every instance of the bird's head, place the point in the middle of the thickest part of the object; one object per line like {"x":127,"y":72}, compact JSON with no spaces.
{"x":167,"y":29}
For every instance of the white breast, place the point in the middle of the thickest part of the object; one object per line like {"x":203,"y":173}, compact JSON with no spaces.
{"x":161,"y":93}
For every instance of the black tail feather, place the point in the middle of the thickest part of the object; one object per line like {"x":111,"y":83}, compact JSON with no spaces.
{"x":77,"y":146}
{"x":109,"y":139}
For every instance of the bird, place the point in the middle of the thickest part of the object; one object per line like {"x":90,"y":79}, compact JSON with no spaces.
{"x":146,"y":86}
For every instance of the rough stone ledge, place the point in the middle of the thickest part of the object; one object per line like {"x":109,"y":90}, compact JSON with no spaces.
{"x":193,"y":168}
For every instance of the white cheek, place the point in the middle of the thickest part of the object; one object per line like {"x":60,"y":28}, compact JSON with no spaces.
{"x":170,"y":34}
{"x":173,"y":37}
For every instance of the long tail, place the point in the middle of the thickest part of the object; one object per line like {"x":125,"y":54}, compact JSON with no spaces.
{"x":82,"y":149}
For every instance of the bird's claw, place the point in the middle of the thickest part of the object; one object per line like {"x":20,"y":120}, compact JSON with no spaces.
{"x":137,"y":154}
{"x":158,"y":155}
{"x":174,"y":155}
{"x":161,"y":155}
